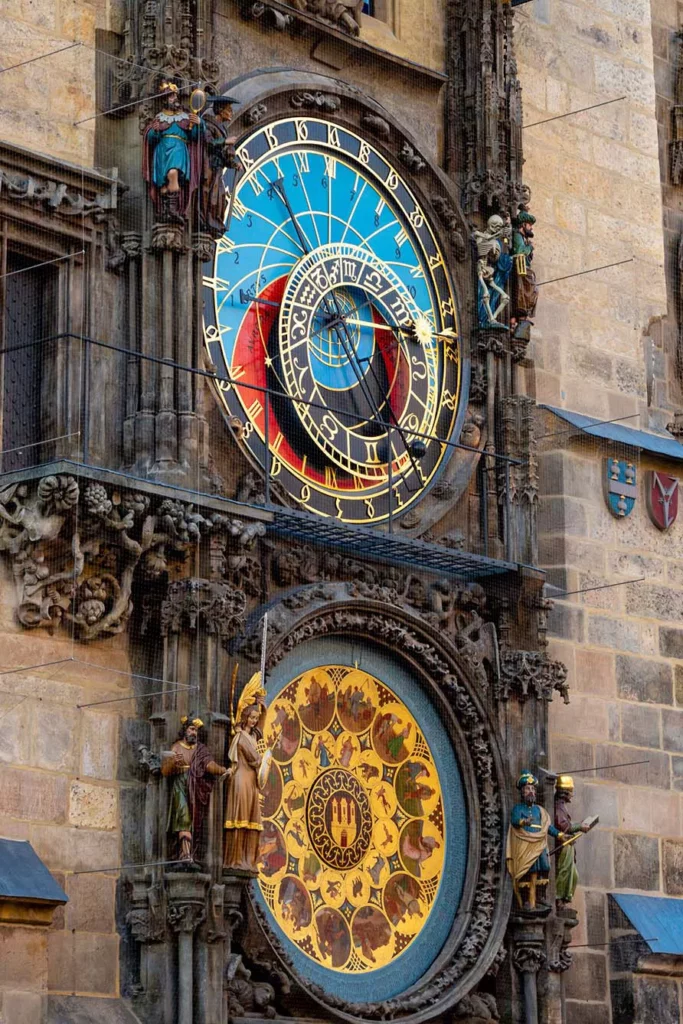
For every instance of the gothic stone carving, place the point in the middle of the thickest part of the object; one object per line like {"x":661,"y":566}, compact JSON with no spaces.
{"x":247,"y":997}
{"x":218,"y":605}
{"x":74,"y":550}
{"x":531,"y":674}
{"x":57,"y":195}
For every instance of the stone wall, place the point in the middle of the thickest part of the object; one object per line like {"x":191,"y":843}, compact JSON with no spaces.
{"x":43,"y":98}
{"x":62,"y":789}
{"x":599,"y":349}
{"x":595,"y":187}
{"x":623,"y":647}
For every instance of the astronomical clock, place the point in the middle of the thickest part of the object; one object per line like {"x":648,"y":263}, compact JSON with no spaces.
{"x":331,"y":317}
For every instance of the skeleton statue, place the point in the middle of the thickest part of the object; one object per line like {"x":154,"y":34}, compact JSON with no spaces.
{"x":493,"y":269}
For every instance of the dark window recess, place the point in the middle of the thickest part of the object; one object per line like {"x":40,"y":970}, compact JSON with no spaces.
{"x":28,"y":317}
{"x":368,"y":7}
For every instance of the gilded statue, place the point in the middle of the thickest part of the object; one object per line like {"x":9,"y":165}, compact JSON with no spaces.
{"x":246,"y":777}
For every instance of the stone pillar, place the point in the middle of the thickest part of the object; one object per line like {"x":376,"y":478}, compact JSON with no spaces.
{"x":186,"y":911}
{"x":528,"y":958}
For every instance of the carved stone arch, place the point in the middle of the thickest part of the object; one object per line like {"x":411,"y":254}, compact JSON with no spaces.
{"x":269,"y":94}
{"x":329,"y":610}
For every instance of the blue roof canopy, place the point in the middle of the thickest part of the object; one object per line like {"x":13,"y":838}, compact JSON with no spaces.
{"x":658,"y":919}
{"x":24,"y":876}
{"x":646,"y":440}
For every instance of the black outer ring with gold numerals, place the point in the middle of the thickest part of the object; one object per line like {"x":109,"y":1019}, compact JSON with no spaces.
{"x":324,"y":459}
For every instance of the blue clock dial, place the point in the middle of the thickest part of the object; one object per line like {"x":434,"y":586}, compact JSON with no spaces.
{"x":330,"y":314}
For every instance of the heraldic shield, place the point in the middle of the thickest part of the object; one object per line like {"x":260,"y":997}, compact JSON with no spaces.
{"x":619,"y":480}
{"x":662,"y":498}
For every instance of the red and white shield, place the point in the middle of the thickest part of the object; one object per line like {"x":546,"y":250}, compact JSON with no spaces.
{"x":662,"y":499}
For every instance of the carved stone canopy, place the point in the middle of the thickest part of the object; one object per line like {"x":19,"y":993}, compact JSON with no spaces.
{"x":335,"y":610}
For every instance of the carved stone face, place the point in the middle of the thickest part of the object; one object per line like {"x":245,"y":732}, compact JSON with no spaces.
{"x":495,"y":223}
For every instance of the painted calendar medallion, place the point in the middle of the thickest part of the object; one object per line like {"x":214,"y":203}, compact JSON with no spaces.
{"x":358,"y":829}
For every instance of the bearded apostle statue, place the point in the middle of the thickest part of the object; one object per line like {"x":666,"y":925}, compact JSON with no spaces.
{"x":193,"y":772}
{"x":527,"y":857}
{"x":247,"y":774}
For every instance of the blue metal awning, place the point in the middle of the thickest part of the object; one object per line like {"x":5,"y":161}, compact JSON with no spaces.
{"x":658,"y":919}
{"x":23,"y":876}
{"x":646,"y":440}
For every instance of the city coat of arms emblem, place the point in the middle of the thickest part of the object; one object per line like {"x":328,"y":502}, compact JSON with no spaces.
{"x":662,"y":499}
{"x":619,"y":481}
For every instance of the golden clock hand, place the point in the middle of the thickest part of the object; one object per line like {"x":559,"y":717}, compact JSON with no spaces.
{"x":371,"y":323}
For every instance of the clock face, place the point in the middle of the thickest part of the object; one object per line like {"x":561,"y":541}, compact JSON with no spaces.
{"x":330,"y":316}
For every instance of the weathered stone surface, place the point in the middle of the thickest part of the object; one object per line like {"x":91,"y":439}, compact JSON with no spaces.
{"x":671,"y":643}
{"x":22,"y":1007}
{"x":678,"y":683}
{"x":587,"y":978}
{"x":23,"y":958}
{"x":597,"y":798}
{"x":566,"y":622}
{"x":91,"y":903}
{"x":16,"y":733}
{"x":622,"y":1000}
{"x":594,"y":860}
{"x":596,"y":917}
{"x":75,"y":849}
{"x":672,"y":866}
{"x":641,"y":679}
{"x":655,"y":602}
{"x":584,"y":718}
{"x":36,"y":796}
{"x":595,"y":672}
{"x":587,"y":1013}
{"x":55,"y":735}
{"x":619,"y":634}
{"x":98,"y":744}
{"x":640,"y":725}
{"x":93,"y":806}
{"x":656,"y":999}
{"x":672,"y":730}
{"x":656,"y":772}
{"x":636,"y":861}
{"x":84,"y":962}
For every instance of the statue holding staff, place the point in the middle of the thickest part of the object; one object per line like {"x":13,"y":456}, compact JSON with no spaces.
{"x":566,"y":874}
{"x":193,"y":771}
{"x":247,"y":775}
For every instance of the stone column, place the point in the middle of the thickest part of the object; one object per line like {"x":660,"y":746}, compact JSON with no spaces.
{"x":528,"y":958}
{"x":186,"y":911}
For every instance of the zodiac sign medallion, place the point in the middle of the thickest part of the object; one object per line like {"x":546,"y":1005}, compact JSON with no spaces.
{"x":354,"y":836}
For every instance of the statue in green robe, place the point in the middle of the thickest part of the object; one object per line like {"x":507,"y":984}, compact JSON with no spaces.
{"x":566,"y":874}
